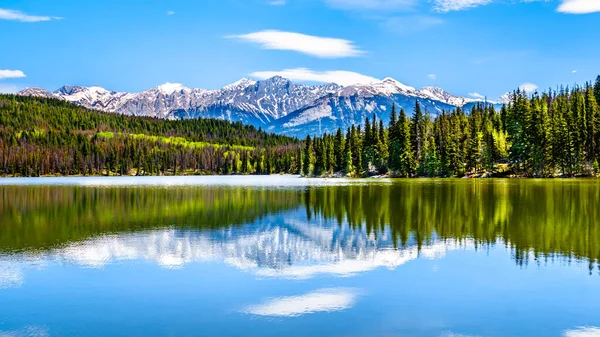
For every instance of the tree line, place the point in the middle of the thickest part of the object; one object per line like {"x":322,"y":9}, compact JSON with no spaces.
{"x":556,"y":133}
{"x":42,"y":136}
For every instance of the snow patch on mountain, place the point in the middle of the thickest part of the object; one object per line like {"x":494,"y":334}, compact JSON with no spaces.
{"x":505,"y":99}
{"x":171,"y":88}
{"x":241,"y":84}
{"x":315,"y":114}
{"x":441,"y":95}
{"x":275,"y":102}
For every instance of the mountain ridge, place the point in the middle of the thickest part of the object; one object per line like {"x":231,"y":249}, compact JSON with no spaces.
{"x":266,"y":103}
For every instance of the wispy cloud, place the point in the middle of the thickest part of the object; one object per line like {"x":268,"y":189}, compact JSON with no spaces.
{"x":9,"y":14}
{"x":454,"y":334}
{"x":566,"y":6}
{"x":5,"y":73}
{"x":324,"y":47}
{"x":410,"y":24}
{"x":579,"y":6}
{"x":322,"y":300}
{"x":528,"y":87}
{"x":277,"y":3}
{"x":372,"y":4}
{"x":476,"y":95}
{"x":585,"y":331}
{"x":170,"y":13}
{"x":457,"y":5}
{"x":340,"y":77}
{"x":573,"y":71}
{"x":432,"y":76}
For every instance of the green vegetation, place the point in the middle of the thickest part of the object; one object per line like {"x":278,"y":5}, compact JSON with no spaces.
{"x":535,"y":219}
{"x":40,"y":136}
{"x":543,"y":135}
{"x":542,"y":219}
{"x":44,"y":217}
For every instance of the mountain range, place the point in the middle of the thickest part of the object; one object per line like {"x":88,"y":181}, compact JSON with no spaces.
{"x":275,"y":104}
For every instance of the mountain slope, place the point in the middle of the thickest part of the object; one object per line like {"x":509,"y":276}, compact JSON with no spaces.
{"x":275,"y":103}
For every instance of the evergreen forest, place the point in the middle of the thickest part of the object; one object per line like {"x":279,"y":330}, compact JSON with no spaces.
{"x":550,"y":134}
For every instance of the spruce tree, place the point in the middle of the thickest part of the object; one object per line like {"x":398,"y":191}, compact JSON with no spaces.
{"x":339,"y":151}
{"x":417,"y":131}
{"x":393,"y":142}
{"x":407,"y":163}
{"x":382,"y":149}
{"x":307,"y":158}
{"x":597,"y":89}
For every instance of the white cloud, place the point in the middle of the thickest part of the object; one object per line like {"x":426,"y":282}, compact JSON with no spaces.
{"x":432,"y":76}
{"x":528,"y":87}
{"x":476,"y":95}
{"x":277,"y":3}
{"x":574,"y":71}
{"x":340,"y":77}
{"x":579,"y":6}
{"x":457,"y":5}
{"x":372,"y":4}
{"x":5,"y":73}
{"x":324,"y":47}
{"x":170,"y":13}
{"x":585,"y":331}
{"x":322,"y":300}
{"x":9,"y":14}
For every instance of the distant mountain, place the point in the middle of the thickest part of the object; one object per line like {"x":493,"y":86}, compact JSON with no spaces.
{"x":276,"y":103}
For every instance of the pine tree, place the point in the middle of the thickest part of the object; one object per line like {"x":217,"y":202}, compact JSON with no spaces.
{"x":348,"y":168}
{"x":417,"y":131}
{"x":307,"y":158}
{"x":348,"y":156}
{"x":394,"y":142}
{"x":593,"y":124}
{"x":368,"y":148}
{"x":339,"y":151}
{"x":597,"y":89}
{"x":382,"y":149}
{"x":331,"y":155}
{"x":407,"y":163}
{"x":474,"y":146}
{"x":319,"y":149}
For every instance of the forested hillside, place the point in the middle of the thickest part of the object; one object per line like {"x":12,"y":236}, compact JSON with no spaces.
{"x":541,"y":135}
{"x":535,"y":135}
{"x":41,"y":136}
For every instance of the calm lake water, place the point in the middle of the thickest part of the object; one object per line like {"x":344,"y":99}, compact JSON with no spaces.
{"x":284,"y":256}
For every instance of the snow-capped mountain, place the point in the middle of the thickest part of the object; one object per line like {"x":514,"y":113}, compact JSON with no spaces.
{"x":441,"y":95}
{"x":275,"y":103}
{"x":505,"y":99}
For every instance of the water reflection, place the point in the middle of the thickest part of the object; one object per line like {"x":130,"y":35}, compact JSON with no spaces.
{"x":272,"y":247}
{"x":353,"y":228}
{"x":28,"y":331}
{"x":414,"y":258}
{"x":321,"y":300}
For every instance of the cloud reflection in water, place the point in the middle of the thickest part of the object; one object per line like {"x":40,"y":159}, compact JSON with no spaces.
{"x":322,"y":300}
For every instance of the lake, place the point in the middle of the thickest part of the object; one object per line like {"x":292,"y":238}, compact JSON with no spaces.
{"x":285,"y":256}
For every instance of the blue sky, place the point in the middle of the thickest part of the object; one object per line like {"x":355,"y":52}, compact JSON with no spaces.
{"x":465,"y":46}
